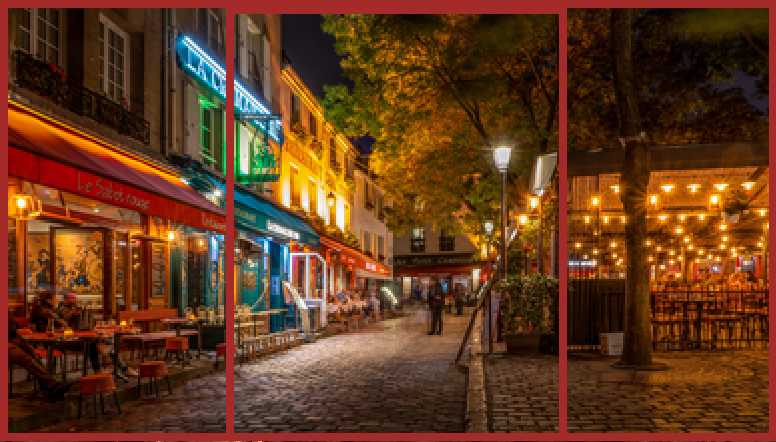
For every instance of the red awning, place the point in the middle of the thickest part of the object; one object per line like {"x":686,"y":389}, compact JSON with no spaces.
{"x":355,"y":259}
{"x":48,"y":152}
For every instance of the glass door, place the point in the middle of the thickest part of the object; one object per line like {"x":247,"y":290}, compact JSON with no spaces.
{"x":120,"y":255}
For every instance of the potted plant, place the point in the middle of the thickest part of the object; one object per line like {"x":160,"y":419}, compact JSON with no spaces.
{"x":528,"y":308}
{"x":734,"y":205}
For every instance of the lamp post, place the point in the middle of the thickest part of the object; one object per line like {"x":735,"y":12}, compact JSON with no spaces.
{"x":488,"y":225}
{"x":331,"y":199}
{"x":501,"y":155}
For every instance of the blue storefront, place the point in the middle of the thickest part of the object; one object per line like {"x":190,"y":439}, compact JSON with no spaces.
{"x":264,"y":235}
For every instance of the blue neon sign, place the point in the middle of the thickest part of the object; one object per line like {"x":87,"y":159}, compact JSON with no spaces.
{"x":199,"y":64}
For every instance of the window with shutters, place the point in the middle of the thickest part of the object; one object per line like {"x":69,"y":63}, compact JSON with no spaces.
{"x":418,"y":240}
{"x":38,"y":33}
{"x":114,"y":61}
{"x":295,"y":109}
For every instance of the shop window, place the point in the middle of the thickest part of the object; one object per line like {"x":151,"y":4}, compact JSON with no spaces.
{"x":418,"y":240}
{"x":114,"y":62}
{"x":120,"y":251}
{"x":38,"y":33}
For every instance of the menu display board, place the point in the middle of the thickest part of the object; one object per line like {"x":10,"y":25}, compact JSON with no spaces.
{"x":158,"y":270}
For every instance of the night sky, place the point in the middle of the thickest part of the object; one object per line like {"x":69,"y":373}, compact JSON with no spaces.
{"x":313,"y":57}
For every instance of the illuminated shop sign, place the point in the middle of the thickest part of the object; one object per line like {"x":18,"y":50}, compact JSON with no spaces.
{"x":200,"y":65}
{"x":280,"y":230}
{"x":582,"y":263}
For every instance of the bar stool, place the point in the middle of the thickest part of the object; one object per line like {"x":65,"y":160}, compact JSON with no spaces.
{"x":179,"y":346}
{"x":220,"y":351}
{"x":153,"y":370}
{"x":95,"y":385}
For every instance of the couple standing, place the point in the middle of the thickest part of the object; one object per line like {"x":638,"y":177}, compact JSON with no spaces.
{"x":436,"y":302}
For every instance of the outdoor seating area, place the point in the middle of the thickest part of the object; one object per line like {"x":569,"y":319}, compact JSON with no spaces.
{"x":253,"y":339}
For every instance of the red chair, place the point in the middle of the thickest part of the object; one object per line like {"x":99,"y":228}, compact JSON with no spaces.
{"x":179,"y":346}
{"x":153,"y":370}
{"x":220,"y":351}
{"x":95,"y":385}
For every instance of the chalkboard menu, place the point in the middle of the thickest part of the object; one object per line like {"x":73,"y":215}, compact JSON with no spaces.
{"x":12,"y":255}
{"x":158,"y":271}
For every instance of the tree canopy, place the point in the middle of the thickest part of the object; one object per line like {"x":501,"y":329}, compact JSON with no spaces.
{"x":680,"y":58}
{"x":435,"y":92}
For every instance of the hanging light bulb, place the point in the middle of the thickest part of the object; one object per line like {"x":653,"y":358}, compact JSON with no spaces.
{"x":584,"y":256}
{"x":700,"y":252}
{"x":679,"y":258}
{"x":614,"y":255}
{"x":722,"y":246}
{"x":697,"y":260}
{"x":594,"y":201}
{"x":649,"y":258}
{"x":653,"y":200}
{"x":714,"y":199}
{"x":759,"y":244}
{"x":671,"y":261}
{"x":523,"y":219}
{"x":709,"y":256}
{"x":762,"y":212}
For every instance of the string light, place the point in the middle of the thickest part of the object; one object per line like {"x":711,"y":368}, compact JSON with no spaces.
{"x":722,"y":246}
{"x":523,"y":219}
{"x":697,"y":260}
{"x":614,"y":255}
{"x":595,"y":251}
{"x":689,"y":247}
{"x":714,"y":199}
{"x":762,"y":212}
{"x":724,"y":238}
{"x":700,"y":252}
{"x":649,"y":258}
{"x":759,"y":244}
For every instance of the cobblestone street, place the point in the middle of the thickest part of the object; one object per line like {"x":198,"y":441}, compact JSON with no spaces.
{"x":708,"y":391}
{"x":385,"y":377}
{"x":198,"y":406}
{"x":523,"y":393}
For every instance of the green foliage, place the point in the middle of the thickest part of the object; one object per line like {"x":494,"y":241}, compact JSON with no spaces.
{"x":528,"y":303}
{"x":679,"y":102}
{"x":433,"y":91}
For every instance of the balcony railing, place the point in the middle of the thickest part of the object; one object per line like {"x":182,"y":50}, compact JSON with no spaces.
{"x":418,"y":245}
{"x":447,"y":244}
{"x":49,"y":82}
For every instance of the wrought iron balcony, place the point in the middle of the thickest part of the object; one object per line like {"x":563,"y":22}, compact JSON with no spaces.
{"x":48,"y":81}
{"x":418,"y":245}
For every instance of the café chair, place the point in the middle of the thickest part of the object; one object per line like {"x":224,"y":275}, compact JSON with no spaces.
{"x":179,"y":346}
{"x":220,"y":351}
{"x":96,"y":385}
{"x":153,"y":371}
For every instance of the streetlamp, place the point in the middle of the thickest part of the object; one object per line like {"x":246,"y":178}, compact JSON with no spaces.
{"x":488,"y":225}
{"x":331,"y":199}
{"x":501,"y":155}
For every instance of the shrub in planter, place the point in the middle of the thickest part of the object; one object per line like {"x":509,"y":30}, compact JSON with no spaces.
{"x":529,"y":312}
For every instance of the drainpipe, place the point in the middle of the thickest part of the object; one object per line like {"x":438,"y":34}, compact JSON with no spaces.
{"x":172,"y":70}
{"x":164,"y":97}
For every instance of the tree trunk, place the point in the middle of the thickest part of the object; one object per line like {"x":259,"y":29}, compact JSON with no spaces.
{"x":637,"y":345}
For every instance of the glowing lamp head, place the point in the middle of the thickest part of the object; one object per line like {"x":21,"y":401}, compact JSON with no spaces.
{"x":523,"y":220}
{"x":501,"y":155}
{"x":488,"y":225}
{"x":701,"y":216}
{"x":533,"y":201}
{"x":614,"y":255}
{"x":720,"y":186}
{"x":724,"y":238}
{"x":595,"y":251}
{"x":171,"y":235}
{"x":653,"y":199}
{"x":613,"y":244}
{"x":650,"y":259}
{"x":686,"y":239}
{"x":331,"y":199}
{"x":616,"y":188}
{"x":658,"y":248}
{"x":700,"y":252}
{"x":679,"y":230}
{"x":671,"y":252}
{"x":690,"y":247}
{"x":21,"y":202}
{"x":723,"y":227}
{"x":667,"y":187}
{"x":714,"y":199}
{"x":682,"y":217}
{"x":623,"y":219}
{"x":595,"y":201}
{"x":647,"y":243}
{"x":693,"y":187}
{"x":578,"y":245}
{"x":748,"y":185}
{"x":722,"y":246}
{"x":759,"y":244}
{"x":671,"y":261}
{"x":762,"y":212}
{"x":606,"y":220}
{"x":662,"y":217}
{"x":587,"y":219}
{"x":697,"y":260}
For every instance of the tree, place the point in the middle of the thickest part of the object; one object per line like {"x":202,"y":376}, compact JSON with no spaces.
{"x":680,"y":101}
{"x":637,"y":342}
{"x":433,"y":90}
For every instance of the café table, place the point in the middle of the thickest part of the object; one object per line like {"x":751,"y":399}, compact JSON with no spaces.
{"x":177,"y":322}
{"x":49,"y":341}
{"x":117,"y":333}
{"x":698,"y":303}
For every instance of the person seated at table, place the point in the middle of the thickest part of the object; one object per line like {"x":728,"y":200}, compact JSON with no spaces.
{"x":43,"y":312}
{"x":20,"y":353}
{"x":69,"y":312}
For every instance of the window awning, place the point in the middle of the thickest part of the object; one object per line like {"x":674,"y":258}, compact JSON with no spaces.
{"x":46,"y":151}
{"x":252,"y":212}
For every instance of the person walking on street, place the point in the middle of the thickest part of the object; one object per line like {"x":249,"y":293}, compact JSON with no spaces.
{"x":459,"y":301}
{"x":436,"y":303}
{"x":374,"y":303}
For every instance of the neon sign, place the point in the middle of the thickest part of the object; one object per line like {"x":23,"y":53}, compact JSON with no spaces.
{"x":199,"y":64}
